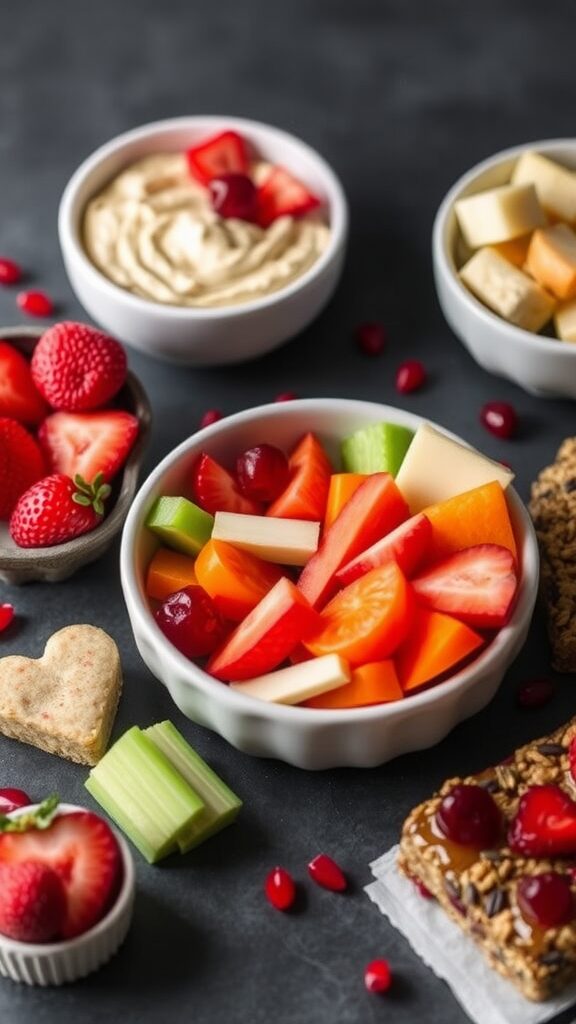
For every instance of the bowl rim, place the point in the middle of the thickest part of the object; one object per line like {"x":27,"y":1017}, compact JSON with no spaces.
{"x":68,"y":215}
{"x":195,"y":676}
{"x":118,"y":908}
{"x":444,"y":259}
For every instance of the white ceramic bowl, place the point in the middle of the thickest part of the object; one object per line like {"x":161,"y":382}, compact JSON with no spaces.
{"x":186,"y":335}
{"x":541,"y":365}
{"x":302,"y":736}
{"x":56,"y":963}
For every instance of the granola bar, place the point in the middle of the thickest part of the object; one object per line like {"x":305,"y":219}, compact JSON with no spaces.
{"x":482,"y":889}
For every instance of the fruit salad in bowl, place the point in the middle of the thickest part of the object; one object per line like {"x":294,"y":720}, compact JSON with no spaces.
{"x":329,"y":582}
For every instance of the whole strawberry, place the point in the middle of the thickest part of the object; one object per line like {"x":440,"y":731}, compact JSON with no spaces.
{"x":76,"y":367}
{"x":57,"y":509}
{"x":32,"y":901}
{"x":21,"y":463}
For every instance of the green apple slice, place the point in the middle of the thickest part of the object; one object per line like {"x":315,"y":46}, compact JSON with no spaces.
{"x":379,"y":448}
{"x":181,"y":524}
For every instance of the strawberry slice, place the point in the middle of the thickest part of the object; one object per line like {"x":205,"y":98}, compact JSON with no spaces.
{"x":225,"y":153}
{"x":83,"y":851}
{"x":216,"y":490}
{"x":281,"y":195}
{"x":19,"y":398}
{"x":476,"y":585}
{"x":406,"y":545}
{"x":545,"y":824}
{"x":88,"y":443}
{"x":306,"y":493}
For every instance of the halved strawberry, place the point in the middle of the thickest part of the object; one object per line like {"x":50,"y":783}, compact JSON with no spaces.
{"x":545,"y":824}
{"x":19,"y":398}
{"x":281,"y":195}
{"x":83,"y":851}
{"x":216,"y":490}
{"x":406,"y":545}
{"x":476,"y":585}
{"x":21,"y":463}
{"x":88,"y":443}
{"x":225,"y":153}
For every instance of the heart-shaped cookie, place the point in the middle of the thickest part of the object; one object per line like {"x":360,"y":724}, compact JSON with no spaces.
{"x":65,"y":701}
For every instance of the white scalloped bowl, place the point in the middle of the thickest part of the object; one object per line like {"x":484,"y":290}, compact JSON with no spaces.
{"x":307,"y":738}
{"x":58,"y":963}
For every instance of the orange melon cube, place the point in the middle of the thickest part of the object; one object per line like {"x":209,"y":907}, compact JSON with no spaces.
{"x":342,"y":487}
{"x":479,"y":516}
{"x":436,"y":643}
{"x":374,"y":683}
{"x":168,"y":572}
{"x":551,"y":260}
{"x":515,"y":250}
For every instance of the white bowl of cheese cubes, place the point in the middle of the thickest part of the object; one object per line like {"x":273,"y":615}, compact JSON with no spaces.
{"x":260,"y":716}
{"x":504,"y":252}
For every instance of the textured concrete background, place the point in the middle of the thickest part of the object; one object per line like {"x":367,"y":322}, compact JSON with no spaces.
{"x":401,"y":97}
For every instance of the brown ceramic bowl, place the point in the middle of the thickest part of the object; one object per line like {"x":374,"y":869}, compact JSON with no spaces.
{"x":26,"y":565}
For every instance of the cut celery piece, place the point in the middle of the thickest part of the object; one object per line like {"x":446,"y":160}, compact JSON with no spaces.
{"x":181,"y":524}
{"x":379,"y":448}
{"x":221,"y":804}
{"x":138,"y":786}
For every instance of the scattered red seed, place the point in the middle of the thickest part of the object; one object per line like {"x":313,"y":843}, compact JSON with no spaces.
{"x":378,"y":976}
{"x":12,"y":799}
{"x":326,"y":872}
{"x":535,"y":693}
{"x":410,"y":376}
{"x":35,"y":303}
{"x":499,"y":418}
{"x":280,"y":889}
{"x":10,"y":272}
{"x":286,"y":396}
{"x":210,"y":416}
{"x":6,"y":616}
{"x":371,"y":338}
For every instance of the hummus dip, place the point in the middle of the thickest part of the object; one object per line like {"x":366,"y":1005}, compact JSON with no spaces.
{"x":153,"y":231}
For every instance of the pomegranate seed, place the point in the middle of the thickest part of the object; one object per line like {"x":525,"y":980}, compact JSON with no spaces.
{"x":536,"y":693}
{"x":209,"y":417}
{"x":10,"y":272}
{"x":234,"y":195}
{"x":371,"y":338}
{"x":6,"y":616}
{"x":546,"y":898}
{"x":280,"y":889}
{"x":35,"y":303}
{"x":469,"y":815}
{"x":410,"y":376}
{"x":378,"y":976}
{"x":12,"y":799}
{"x":262,"y":472}
{"x":326,"y":872}
{"x":499,"y":418}
{"x":286,"y":396}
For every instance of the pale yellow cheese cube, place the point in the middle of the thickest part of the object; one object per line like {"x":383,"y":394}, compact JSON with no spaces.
{"x":288,"y":541}
{"x":555,"y":185}
{"x":551,"y":260}
{"x":499,"y":214}
{"x":565,"y":321}
{"x":507,"y":290}
{"x":436,"y":468}
{"x":298,"y":682}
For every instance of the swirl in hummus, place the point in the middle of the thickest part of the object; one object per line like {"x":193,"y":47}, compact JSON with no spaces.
{"x":153,"y":231}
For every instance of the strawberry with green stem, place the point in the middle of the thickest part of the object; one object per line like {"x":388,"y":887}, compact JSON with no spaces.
{"x":57,"y":509}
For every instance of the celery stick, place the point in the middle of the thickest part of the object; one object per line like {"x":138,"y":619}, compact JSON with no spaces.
{"x":378,"y":448}
{"x":221,"y":804}
{"x":145,"y":794}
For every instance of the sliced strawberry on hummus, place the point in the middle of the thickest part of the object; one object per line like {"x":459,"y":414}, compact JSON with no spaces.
{"x":281,"y":195}
{"x":225,"y":153}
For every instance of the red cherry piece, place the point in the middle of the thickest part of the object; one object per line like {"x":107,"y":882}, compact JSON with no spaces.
{"x":12,"y":799}
{"x":35,"y":303}
{"x":234,"y":195}
{"x":468,"y":815}
{"x":6,"y":616}
{"x":378,"y":976}
{"x":545,"y":824}
{"x":280,"y":889}
{"x":546,"y":899}
{"x":535,"y":693}
{"x":371,"y":338}
{"x":262,"y":472}
{"x":499,"y":418}
{"x":210,"y":416}
{"x":410,"y":376}
{"x":326,"y":872}
{"x":286,"y":396}
{"x":10,"y":272}
{"x":190,"y":620}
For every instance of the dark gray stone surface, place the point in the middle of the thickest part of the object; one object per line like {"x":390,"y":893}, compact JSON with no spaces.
{"x":401,"y":98}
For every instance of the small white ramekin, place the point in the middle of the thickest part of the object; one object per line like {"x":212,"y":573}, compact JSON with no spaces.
{"x":185,"y":335}
{"x":543,"y":366}
{"x":55,"y":963}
